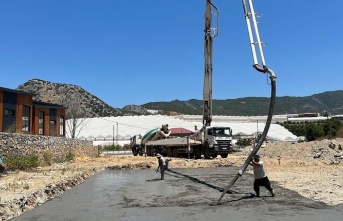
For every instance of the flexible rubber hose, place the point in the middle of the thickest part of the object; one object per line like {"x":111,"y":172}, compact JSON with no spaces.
{"x":260,"y":141}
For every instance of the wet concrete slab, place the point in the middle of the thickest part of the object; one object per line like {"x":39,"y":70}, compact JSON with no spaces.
{"x":185,"y":194}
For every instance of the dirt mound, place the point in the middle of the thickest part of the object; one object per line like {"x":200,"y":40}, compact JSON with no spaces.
{"x":325,"y":151}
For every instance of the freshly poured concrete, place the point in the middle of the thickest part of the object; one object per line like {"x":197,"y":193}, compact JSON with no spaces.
{"x":185,"y":194}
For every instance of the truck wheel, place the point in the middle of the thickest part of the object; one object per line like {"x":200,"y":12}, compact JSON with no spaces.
{"x":169,"y":152}
{"x":224,"y":155}
{"x":214,"y":155}
{"x":197,"y":153}
{"x":174,"y":152}
{"x":207,"y":153}
{"x":149,"y":151}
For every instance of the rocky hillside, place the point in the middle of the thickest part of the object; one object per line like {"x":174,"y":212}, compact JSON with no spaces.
{"x":93,"y":106}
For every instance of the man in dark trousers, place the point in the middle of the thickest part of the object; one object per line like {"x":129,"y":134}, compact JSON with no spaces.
{"x":161,"y":165}
{"x":260,"y":175}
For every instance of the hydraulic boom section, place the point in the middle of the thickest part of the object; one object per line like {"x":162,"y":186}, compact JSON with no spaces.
{"x":210,"y":33}
{"x":250,"y":17}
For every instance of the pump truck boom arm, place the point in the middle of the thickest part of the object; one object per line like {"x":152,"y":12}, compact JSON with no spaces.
{"x":215,"y":140}
{"x":250,"y":17}
{"x":210,"y":33}
{"x":209,"y":141}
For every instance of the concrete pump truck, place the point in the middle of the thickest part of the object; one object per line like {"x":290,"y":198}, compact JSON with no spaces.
{"x":208,"y":141}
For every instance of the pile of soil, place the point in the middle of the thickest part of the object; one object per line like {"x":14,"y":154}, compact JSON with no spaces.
{"x":316,"y":152}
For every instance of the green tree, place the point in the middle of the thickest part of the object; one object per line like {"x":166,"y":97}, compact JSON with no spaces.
{"x":314,"y":131}
{"x":331,"y":127}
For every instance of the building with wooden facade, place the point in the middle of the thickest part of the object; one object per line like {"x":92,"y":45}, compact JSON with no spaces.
{"x":20,"y":114}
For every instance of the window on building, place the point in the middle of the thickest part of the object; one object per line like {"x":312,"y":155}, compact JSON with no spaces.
{"x":52,"y":128}
{"x":9,"y":112}
{"x":41,"y":123}
{"x":62,"y":125}
{"x":26,"y":118}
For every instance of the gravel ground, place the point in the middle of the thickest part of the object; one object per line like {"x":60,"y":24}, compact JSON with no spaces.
{"x":314,"y":170}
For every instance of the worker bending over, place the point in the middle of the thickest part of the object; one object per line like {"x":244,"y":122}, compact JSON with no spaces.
{"x":161,"y":165}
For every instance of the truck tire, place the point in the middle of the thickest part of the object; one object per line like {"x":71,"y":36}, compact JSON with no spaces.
{"x":224,"y":155}
{"x":175,"y":152}
{"x":134,"y":152}
{"x":149,"y":151}
{"x":206,"y":151}
{"x":197,"y":153}
{"x":169,"y":152}
{"x":214,"y":155}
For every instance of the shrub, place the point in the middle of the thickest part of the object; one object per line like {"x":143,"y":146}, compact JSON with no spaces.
{"x":126,"y":147}
{"x":69,"y":156}
{"x":244,"y":142}
{"x":47,"y":158}
{"x":112,"y":147}
{"x":19,"y":161}
{"x":316,"y":130}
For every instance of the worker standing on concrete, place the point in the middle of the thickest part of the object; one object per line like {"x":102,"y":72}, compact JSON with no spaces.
{"x":260,"y":175}
{"x":161,"y":165}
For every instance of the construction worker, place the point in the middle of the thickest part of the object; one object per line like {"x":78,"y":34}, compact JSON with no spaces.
{"x":161,"y":165}
{"x":2,"y":166}
{"x":260,"y":176}
{"x":167,"y":163}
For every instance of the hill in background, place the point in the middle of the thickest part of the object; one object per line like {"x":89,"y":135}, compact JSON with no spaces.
{"x":93,"y":106}
{"x":330,"y":102}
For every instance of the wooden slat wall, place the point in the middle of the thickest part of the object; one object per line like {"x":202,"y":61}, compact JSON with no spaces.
{"x":21,"y":101}
{"x":60,"y":112}
{"x":36,"y":121}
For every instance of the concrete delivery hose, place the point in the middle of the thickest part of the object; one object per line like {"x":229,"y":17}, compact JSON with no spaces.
{"x":250,"y":18}
{"x":263,"y":136}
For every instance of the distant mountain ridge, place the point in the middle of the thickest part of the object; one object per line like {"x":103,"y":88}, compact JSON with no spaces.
{"x":330,"y":102}
{"x":94,"y":107}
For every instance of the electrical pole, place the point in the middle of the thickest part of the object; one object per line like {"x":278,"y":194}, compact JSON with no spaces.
{"x":113,"y":136}
{"x":117,"y":133}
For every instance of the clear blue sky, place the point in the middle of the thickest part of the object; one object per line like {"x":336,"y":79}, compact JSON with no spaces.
{"x":139,"y":51}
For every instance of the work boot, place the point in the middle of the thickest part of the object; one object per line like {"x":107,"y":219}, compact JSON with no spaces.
{"x":272,"y":192}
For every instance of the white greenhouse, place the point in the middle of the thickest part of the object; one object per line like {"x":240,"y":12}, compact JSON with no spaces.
{"x":118,"y":130}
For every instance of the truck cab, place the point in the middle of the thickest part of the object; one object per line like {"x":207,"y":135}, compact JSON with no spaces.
{"x":135,"y":145}
{"x":218,"y":141}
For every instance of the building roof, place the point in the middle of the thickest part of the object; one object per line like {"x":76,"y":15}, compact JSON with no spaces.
{"x":16,"y":91}
{"x":41,"y":104}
